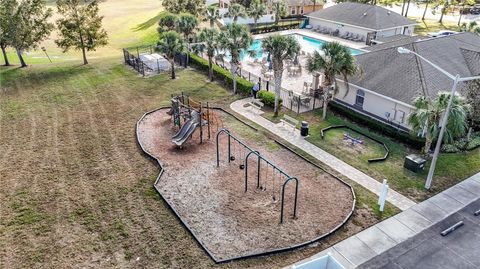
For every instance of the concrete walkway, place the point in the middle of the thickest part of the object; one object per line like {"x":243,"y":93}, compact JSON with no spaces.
{"x":369,"y":243}
{"x":343,"y":168}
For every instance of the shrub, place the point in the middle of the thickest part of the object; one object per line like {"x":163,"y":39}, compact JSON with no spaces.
{"x":244,"y":87}
{"x":268,"y":98}
{"x":474,"y":142}
{"x":450,"y":148}
{"x":402,"y":136}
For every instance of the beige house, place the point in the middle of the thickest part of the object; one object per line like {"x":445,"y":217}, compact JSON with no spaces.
{"x":390,"y":81}
{"x":294,"y":7}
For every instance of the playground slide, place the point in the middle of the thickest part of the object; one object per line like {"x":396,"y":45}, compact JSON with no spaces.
{"x":187,"y":130}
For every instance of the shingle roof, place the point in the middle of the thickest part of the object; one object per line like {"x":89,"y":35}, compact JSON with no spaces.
{"x":363,"y":15}
{"x":404,"y":76}
{"x":394,"y":42}
{"x":303,"y":2}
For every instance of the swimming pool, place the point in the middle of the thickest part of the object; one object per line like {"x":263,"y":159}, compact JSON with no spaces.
{"x":307,"y":44}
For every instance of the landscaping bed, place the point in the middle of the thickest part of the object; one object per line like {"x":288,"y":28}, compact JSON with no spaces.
{"x":228,"y":222}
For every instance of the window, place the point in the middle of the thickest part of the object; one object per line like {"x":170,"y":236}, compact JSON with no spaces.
{"x":360,"y":98}
{"x":293,"y":9}
{"x":400,"y":116}
{"x":301,"y":10}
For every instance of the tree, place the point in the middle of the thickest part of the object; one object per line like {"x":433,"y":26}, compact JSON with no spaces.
{"x":334,"y":60}
{"x":170,"y":44}
{"x":233,"y":40}
{"x":80,"y":27}
{"x":280,"y":48}
{"x":471,"y":27}
{"x":7,"y":12}
{"x":167,"y":22}
{"x":425,"y":10}
{"x":256,"y":10}
{"x":209,"y":44}
{"x":462,"y":4}
{"x":31,"y":26}
{"x":279,"y":7}
{"x":234,"y":11}
{"x":445,"y":6}
{"x":186,"y":25}
{"x":472,"y":96}
{"x":212,"y":14}
{"x":194,"y":7}
{"x":427,"y":115}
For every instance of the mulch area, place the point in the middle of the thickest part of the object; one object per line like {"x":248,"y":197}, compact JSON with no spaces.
{"x":211,"y":200}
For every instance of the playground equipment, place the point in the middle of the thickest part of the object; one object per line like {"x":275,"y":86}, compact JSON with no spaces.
{"x":194,"y":115}
{"x":355,"y":141}
{"x":261,"y":161}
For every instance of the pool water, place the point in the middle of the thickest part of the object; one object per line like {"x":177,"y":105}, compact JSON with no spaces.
{"x":308,"y":44}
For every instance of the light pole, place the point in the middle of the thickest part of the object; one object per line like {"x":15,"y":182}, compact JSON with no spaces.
{"x":456,"y":79}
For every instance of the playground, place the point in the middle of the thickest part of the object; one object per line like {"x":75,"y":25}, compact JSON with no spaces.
{"x":231,"y":206}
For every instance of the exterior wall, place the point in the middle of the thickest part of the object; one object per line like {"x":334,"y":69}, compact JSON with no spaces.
{"x":376,"y":106}
{"x":306,"y":9}
{"x":360,"y":31}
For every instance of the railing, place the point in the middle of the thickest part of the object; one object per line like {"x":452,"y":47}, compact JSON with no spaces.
{"x":132,"y":55}
{"x":292,"y":100}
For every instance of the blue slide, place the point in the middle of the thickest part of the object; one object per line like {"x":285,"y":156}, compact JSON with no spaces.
{"x":187,"y":130}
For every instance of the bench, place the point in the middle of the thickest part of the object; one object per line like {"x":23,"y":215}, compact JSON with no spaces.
{"x":289,"y":121}
{"x":257,"y":105}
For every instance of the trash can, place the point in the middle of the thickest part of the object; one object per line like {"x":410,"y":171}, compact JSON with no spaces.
{"x":414,"y":163}
{"x":304,"y":129}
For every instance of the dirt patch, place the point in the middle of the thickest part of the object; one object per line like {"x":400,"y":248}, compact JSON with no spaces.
{"x":228,"y":221}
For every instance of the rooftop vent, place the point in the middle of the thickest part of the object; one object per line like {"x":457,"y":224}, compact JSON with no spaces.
{"x":365,"y":14}
{"x":388,"y":12}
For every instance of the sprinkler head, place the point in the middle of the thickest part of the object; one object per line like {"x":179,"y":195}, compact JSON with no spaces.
{"x":242,"y":166}
{"x":232,"y":158}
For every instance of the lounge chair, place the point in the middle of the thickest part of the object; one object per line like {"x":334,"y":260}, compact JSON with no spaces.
{"x":336,"y":32}
{"x":316,"y":29}
{"x":344,"y":35}
{"x":352,"y":37}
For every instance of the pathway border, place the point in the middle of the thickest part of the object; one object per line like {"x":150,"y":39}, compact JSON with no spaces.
{"x":294,"y":138}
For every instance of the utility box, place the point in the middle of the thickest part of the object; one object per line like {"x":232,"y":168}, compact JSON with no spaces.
{"x":414,"y":163}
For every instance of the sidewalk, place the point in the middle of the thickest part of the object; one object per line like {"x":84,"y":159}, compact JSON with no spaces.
{"x":295,"y":139}
{"x":389,"y":233}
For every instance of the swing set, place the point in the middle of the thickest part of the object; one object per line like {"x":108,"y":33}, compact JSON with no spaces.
{"x":243,"y":151}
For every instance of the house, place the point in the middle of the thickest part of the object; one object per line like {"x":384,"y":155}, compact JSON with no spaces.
{"x":302,"y":7}
{"x":368,"y":21}
{"x":390,"y":81}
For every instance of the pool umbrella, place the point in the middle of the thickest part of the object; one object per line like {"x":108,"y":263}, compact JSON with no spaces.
{"x":270,"y":66}
{"x":268,"y":58}
{"x":295,"y":61}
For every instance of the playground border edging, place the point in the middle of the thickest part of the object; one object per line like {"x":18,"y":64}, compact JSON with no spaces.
{"x":162,"y":170}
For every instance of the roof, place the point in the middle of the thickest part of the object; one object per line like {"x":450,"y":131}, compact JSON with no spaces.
{"x":404,"y":76}
{"x":362,"y":15}
{"x":394,"y":41}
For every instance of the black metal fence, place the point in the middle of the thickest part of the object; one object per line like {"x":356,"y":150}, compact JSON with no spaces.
{"x":293,"y":99}
{"x":132,"y":57}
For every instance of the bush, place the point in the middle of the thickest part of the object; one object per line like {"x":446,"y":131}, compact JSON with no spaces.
{"x":268,"y":98}
{"x":474,"y":142}
{"x":244,"y":87}
{"x":450,"y":148}
{"x":402,"y":136}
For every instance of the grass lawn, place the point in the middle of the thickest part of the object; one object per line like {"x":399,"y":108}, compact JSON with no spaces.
{"x":451,"y":168}
{"x":426,"y":26}
{"x":77,"y":190}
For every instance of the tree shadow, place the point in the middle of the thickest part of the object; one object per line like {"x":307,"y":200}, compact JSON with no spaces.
{"x":149,"y":23}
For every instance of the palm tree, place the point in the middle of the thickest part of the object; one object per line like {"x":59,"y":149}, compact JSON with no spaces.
{"x":233,"y":40}
{"x":280,"y":48}
{"x":209,"y":43}
{"x":334,"y":60}
{"x":212,"y":13}
{"x":426,"y":118}
{"x":234,"y":11}
{"x":186,"y":25}
{"x":279,"y":7}
{"x":257,"y":10}
{"x":170,"y":44}
{"x":168,"y":22}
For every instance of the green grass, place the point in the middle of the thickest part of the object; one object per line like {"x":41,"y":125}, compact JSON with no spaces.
{"x":451,"y":168}
{"x":426,"y":26}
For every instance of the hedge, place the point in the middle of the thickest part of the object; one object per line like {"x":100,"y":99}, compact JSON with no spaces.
{"x":402,"y":136}
{"x":244,"y":87}
{"x":268,"y":98}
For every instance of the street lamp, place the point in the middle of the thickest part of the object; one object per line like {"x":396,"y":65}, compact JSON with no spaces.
{"x":456,"y":79}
